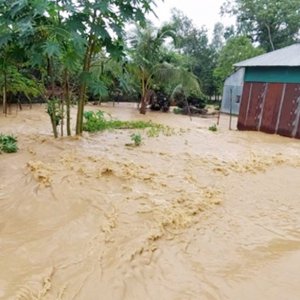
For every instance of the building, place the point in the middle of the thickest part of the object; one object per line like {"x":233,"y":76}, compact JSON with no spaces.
{"x":271,"y":94}
{"x":232,"y":92}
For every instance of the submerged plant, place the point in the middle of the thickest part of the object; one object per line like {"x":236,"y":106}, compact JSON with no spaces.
{"x":136,"y":138}
{"x":177,"y":111}
{"x":8,"y":143}
{"x":213,"y":128}
{"x":96,"y":121}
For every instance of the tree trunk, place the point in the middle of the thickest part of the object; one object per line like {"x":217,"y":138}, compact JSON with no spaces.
{"x":270,"y":37}
{"x":53,"y":118}
{"x":143,"y":106}
{"x":67,"y":101}
{"x":62,"y":111}
{"x":5,"y":94}
{"x":50,"y":72}
{"x":82,"y":89}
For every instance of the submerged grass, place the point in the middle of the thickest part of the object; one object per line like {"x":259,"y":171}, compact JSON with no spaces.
{"x":96,"y":121}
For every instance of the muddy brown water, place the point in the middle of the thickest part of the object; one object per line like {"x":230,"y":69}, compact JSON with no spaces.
{"x":193,"y":215}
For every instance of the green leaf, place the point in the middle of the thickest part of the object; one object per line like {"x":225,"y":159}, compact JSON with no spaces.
{"x":98,"y":88}
{"x":103,"y":6}
{"x":5,"y":38}
{"x":52,"y":48}
{"x":100,"y":31}
{"x":39,"y":7}
{"x":115,"y":49}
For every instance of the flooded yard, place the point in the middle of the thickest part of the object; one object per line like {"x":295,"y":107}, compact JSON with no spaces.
{"x":193,"y":214}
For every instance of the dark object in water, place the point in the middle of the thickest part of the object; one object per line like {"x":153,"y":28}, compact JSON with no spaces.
{"x":160,"y":102}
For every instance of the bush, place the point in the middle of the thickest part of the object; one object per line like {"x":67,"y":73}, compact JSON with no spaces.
{"x":95,"y":121}
{"x":136,"y":138}
{"x":8,"y":143}
{"x":177,"y":111}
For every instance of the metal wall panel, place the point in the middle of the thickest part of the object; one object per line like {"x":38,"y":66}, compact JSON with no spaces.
{"x":271,"y":107}
{"x":288,"y":113}
{"x":231,"y":99}
{"x":256,"y":105}
{"x":232,"y":92}
{"x":246,"y":97}
{"x":298,"y":132}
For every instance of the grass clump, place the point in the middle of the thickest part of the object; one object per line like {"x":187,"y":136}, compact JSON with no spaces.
{"x":8,"y":143}
{"x":96,"y":121}
{"x":213,"y":128}
{"x":157,"y":129}
{"x":177,"y":111}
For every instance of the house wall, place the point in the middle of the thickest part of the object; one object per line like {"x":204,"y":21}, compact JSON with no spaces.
{"x":232,"y":92}
{"x":271,"y":107}
{"x":273,"y":74}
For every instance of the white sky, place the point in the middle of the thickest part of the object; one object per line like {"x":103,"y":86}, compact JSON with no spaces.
{"x":202,"y":12}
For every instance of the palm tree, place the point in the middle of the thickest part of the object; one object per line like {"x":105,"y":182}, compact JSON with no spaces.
{"x":149,"y":68}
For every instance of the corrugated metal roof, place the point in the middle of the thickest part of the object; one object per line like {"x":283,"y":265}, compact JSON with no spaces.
{"x":288,"y":57}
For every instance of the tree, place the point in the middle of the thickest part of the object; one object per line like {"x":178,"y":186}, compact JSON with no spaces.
{"x":89,"y":27}
{"x":14,"y":29}
{"x":101,"y":25}
{"x":151,"y":68}
{"x":193,"y":43}
{"x":145,"y":48}
{"x":272,"y":23}
{"x":236,"y":49}
{"x":218,"y":37}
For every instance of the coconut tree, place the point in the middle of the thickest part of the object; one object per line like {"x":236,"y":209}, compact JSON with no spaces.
{"x":145,"y":46}
{"x":147,"y":63}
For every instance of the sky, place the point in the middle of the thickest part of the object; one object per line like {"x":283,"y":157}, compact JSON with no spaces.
{"x":202,"y":12}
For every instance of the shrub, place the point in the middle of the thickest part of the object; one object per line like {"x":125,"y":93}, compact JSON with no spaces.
{"x":8,"y":143}
{"x":95,"y":121}
{"x":136,"y":138}
{"x":177,"y":111}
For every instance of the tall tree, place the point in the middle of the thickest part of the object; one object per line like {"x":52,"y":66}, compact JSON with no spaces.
{"x":194,"y":43}
{"x":145,"y":52}
{"x":272,"y":23}
{"x":92,"y":26}
{"x":218,"y":36}
{"x":152,"y":68}
{"x":236,"y":49}
{"x":101,"y":24}
{"x":16,"y":25}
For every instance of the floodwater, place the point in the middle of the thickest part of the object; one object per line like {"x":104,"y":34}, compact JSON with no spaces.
{"x":191,"y":215}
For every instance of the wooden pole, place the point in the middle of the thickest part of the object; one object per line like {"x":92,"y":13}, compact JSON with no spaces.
{"x":230,"y":117}
{"x":219,"y":113}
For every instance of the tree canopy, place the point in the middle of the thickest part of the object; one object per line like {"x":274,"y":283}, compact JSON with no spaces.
{"x":272,"y":23}
{"x":236,"y":49}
